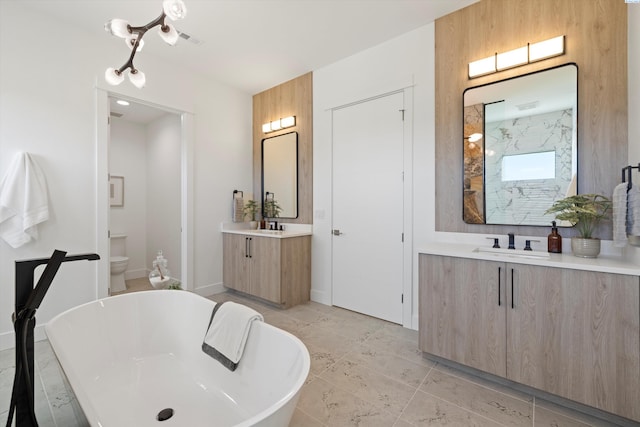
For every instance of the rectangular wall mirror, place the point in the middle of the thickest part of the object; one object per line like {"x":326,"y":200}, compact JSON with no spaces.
{"x":280,"y":174}
{"x":520,"y":147}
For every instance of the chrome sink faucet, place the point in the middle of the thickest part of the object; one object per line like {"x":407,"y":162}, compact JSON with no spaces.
{"x":512,"y":241}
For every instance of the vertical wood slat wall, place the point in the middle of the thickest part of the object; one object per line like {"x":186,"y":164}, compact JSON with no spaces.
{"x":596,"y":40}
{"x":292,"y":98}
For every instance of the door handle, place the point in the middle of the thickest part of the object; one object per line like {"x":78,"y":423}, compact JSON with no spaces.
{"x":336,"y":232}
{"x":250,"y":254}
{"x":246,"y":247}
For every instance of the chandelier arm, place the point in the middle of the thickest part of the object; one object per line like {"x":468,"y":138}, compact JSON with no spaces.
{"x":140,"y":31}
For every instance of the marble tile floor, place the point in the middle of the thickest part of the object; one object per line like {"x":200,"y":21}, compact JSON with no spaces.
{"x":364,"y":372}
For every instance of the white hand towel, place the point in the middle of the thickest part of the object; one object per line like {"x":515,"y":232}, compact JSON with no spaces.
{"x":619,"y":215}
{"x":633,"y":211}
{"x":228,"y":332}
{"x":23,"y":201}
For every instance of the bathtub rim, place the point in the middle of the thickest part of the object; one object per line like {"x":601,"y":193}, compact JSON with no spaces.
{"x":85,"y":402}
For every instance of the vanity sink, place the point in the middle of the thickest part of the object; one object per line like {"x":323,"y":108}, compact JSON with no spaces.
{"x":518,"y":253}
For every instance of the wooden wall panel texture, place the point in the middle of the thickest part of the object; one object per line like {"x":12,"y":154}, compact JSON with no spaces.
{"x":292,"y":98}
{"x":596,"y":40}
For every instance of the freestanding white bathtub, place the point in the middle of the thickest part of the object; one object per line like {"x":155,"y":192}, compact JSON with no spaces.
{"x":129,"y":357}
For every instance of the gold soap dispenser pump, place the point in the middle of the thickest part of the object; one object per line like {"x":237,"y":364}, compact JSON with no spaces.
{"x":554,"y":240}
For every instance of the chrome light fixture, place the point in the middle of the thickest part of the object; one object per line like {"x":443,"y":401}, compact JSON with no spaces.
{"x":172,"y":9}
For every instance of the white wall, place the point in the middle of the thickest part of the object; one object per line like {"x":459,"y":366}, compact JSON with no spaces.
{"x":49,"y":75}
{"x":148,"y":156}
{"x":634,"y":100}
{"x":396,"y":64}
{"x":634,"y":84}
{"x":128,"y":158}
{"x":163,"y":192}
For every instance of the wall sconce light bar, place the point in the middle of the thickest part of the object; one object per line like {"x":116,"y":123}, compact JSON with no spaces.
{"x":546,"y":49}
{"x":514,"y":58}
{"x":482,"y":66}
{"x":275,"y":125}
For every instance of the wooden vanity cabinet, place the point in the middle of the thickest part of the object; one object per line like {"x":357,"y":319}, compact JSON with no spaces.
{"x":462,"y":315}
{"x":572,"y":333}
{"x":274,"y":269}
{"x":575,"y":333}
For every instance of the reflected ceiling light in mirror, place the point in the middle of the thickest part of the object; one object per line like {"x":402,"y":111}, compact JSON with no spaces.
{"x":275,"y":125}
{"x":172,"y":9}
{"x":532,"y":52}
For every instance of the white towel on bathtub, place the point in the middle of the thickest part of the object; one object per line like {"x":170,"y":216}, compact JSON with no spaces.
{"x":228,"y":332}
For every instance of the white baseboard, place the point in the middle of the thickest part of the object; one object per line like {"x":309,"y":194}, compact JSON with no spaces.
{"x":414,"y":322}
{"x":135,"y":274}
{"x":8,"y":339}
{"x":320,"y":297}
{"x":208,"y":290}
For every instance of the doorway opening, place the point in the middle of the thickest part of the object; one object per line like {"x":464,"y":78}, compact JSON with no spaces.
{"x":144,"y":187}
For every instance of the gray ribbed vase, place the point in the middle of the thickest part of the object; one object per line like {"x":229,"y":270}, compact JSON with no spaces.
{"x":585,"y":248}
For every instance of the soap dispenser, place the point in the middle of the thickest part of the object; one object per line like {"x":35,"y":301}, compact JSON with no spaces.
{"x":554,"y":240}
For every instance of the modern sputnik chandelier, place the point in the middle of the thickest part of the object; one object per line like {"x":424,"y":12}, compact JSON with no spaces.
{"x":172,"y":9}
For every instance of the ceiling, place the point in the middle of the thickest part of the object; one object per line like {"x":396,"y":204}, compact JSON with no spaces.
{"x":254,"y":45}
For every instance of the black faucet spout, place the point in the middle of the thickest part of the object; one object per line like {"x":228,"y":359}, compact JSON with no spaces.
{"x":512,"y":241}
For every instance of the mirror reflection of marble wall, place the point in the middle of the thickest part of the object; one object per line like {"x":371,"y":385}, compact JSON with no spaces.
{"x":540,"y":149}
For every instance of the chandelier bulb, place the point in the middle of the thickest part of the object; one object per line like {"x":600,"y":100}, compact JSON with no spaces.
{"x":174,"y":9}
{"x":137,"y":78}
{"x":131,"y":41}
{"x":113,"y":76}
{"x":118,"y":27}
{"x":169,"y":34}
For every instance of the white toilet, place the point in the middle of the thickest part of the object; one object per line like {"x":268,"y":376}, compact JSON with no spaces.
{"x":119,"y":262}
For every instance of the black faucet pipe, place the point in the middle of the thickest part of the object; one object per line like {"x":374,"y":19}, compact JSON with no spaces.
{"x":27,"y":301}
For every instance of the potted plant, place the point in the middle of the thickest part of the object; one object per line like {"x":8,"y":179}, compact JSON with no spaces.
{"x":251,"y":208}
{"x":584,"y":211}
{"x":271,"y":208}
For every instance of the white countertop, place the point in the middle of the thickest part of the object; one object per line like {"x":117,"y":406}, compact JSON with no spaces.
{"x":604,"y":263}
{"x":290,"y":230}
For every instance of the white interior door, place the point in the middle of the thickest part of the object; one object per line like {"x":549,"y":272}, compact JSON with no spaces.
{"x":367,"y":256}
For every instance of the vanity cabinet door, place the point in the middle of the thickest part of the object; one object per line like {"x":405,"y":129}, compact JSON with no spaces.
{"x":575,"y":334}
{"x":235,"y":262}
{"x":265,"y":273}
{"x":463,"y":311}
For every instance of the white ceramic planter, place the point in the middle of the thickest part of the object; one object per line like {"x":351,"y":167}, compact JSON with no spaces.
{"x":585,"y":248}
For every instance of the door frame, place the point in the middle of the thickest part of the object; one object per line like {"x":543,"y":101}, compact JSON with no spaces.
{"x":187,"y":143}
{"x":407,"y":255}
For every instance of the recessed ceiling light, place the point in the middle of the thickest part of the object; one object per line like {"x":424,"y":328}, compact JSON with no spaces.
{"x":122,"y":102}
